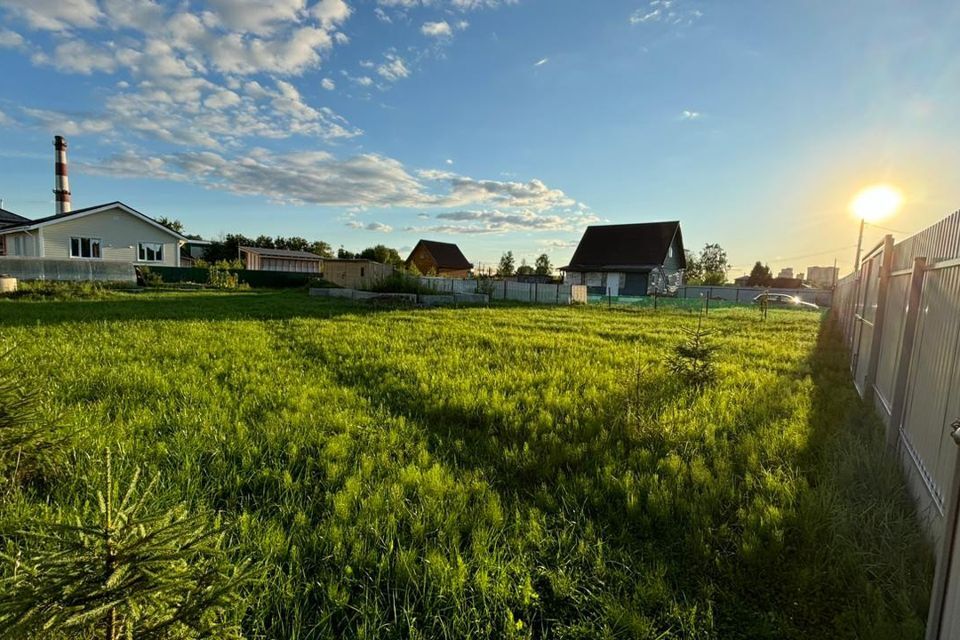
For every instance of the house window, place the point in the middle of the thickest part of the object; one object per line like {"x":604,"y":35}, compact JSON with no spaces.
{"x":150,"y":252}
{"x":361,"y":272}
{"x":84,"y":247}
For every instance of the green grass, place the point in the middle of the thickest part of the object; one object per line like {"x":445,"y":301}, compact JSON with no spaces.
{"x":511,"y":471}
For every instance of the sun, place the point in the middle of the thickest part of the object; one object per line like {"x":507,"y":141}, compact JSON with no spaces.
{"x":876,"y":202}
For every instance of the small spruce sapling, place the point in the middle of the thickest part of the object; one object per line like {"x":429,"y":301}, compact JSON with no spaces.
{"x":125,"y":571}
{"x":692,"y":360}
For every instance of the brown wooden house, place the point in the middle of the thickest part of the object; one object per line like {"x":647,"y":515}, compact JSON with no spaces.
{"x":439,"y":258}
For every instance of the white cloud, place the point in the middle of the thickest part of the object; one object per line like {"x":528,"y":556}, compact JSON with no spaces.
{"x":394,"y":68}
{"x":541,"y":62}
{"x":56,"y":15}
{"x":440,"y":29}
{"x":366,"y":180}
{"x":665,"y":11}
{"x":10,"y":39}
{"x":363,"y":81}
{"x":331,"y":12}
{"x":690,"y":115}
{"x":371,"y":226}
{"x":328,"y":84}
{"x":56,"y":122}
{"x":448,"y":161}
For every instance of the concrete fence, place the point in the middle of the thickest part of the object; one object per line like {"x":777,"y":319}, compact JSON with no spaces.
{"x":75,"y":269}
{"x":508,"y":290}
{"x":820,"y":297}
{"x":900,"y":316}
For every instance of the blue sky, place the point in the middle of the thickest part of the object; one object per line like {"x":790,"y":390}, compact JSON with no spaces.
{"x":495,"y":124}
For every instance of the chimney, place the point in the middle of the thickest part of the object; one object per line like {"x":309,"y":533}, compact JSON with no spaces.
{"x":61,"y":189}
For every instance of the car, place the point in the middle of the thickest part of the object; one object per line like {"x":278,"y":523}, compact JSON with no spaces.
{"x":784,"y":300}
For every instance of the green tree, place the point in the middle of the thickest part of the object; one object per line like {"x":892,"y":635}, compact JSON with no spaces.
{"x":384,"y":254}
{"x":123,"y":570}
{"x":343,"y":254}
{"x":506,"y":266}
{"x":542,"y":266}
{"x":693,"y":274}
{"x":321,"y":248}
{"x":524,"y":269}
{"x":713,"y":262}
{"x":172,"y":224}
{"x":760,"y":275}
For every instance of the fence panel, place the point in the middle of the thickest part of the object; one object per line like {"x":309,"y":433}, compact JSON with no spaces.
{"x":30,"y":268}
{"x":916,"y":382}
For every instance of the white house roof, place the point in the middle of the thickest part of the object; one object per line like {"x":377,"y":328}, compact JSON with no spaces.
{"x":81,"y":213}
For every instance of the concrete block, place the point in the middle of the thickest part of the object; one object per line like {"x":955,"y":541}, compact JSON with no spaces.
{"x":436,"y":300}
{"x":471,"y":298}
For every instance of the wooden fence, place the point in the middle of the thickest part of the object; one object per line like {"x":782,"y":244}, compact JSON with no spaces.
{"x":900,"y":316}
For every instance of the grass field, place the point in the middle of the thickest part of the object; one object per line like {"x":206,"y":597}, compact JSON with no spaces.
{"x":491,"y":472}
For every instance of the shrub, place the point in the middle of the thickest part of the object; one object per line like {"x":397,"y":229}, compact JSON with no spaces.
{"x":221,"y":278}
{"x":151,"y":278}
{"x":401,"y":282}
{"x":60,"y":290}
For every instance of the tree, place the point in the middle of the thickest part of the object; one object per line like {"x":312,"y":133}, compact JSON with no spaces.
{"x":343,"y":254}
{"x":524,"y":269}
{"x":760,"y":275}
{"x":173,"y":225}
{"x":713,"y":262}
{"x":543,"y":266}
{"x":383,"y":254}
{"x":321,"y":248}
{"x":693,"y":274}
{"x":506,"y":266}
{"x":124,"y":569}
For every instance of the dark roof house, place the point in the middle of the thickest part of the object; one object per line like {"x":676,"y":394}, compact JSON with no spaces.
{"x":442,"y":258}
{"x":9,"y":218}
{"x":627,"y":247}
{"x":628,"y":259}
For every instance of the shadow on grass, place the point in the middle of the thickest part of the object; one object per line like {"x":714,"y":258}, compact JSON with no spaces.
{"x":186,"y":306}
{"x":837,"y":553}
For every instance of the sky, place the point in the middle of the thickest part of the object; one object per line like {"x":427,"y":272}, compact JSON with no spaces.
{"x":496,"y":124}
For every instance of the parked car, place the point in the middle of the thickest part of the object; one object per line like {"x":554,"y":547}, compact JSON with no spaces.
{"x":784,"y":300}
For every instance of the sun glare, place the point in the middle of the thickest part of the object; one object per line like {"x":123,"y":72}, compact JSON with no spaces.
{"x":876,"y":202}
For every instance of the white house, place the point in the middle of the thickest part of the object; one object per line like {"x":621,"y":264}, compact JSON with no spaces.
{"x":111,"y":231}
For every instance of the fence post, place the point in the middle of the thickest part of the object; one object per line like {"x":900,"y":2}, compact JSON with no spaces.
{"x":897,"y":405}
{"x":886,"y":267}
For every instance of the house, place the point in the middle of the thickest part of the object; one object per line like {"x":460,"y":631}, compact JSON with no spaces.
{"x":354,"y":273}
{"x":628,"y":259}
{"x":742,"y":281}
{"x":262,"y":259}
{"x":192,"y":251}
{"x":439,"y":258}
{"x":112,"y":231}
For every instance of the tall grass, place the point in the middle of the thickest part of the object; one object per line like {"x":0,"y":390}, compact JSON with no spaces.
{"x":495,"y":472}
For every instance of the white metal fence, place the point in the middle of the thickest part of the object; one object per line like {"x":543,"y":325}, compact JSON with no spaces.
{"x":900,"y":316}
{"x":33,"y":268}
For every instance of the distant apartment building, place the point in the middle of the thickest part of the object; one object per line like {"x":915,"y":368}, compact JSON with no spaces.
{"x":823,"y":277}
{"x":786,"y":272}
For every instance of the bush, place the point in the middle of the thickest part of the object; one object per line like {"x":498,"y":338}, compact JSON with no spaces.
{"x":221,"y":278}
{"x":401,"y":282}
{"x":60,"y":290}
